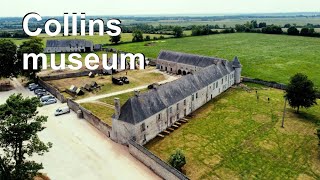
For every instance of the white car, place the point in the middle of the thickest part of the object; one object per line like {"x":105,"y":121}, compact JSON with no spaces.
{"x":63,"y":110}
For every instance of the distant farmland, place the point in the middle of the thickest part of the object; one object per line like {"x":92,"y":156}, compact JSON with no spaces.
{"x":268,"y":57}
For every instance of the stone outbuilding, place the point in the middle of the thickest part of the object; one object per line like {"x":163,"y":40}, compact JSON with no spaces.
{"x":72,"y":45}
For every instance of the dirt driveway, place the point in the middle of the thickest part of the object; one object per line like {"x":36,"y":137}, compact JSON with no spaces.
{"x":80,"y":151}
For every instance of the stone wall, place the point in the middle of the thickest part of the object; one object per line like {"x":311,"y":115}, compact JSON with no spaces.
{"x":52,"y":90}
{"x":70,"y":75}
{"x":265,"y":83}
{"x":159,"y":167}
{"x":91,"y":118}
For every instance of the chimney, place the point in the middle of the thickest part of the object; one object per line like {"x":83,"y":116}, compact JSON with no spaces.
{"x":136,"y":93}
{"x":117,"y":107}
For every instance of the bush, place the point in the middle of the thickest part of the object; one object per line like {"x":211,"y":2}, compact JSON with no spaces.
{"x":177,"y":160}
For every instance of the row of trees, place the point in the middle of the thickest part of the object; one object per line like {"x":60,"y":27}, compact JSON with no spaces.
{"x":11,"y":58}
{"x":16,"y":34}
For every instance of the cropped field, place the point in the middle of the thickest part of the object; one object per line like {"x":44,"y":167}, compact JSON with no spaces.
{"x":237,"y":137}
{"x":268,"y":57}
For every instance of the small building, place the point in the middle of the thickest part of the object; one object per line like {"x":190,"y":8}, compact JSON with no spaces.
{"x":97,"y":47}
{"x":72,"y":45}
{"x":146,"y":115}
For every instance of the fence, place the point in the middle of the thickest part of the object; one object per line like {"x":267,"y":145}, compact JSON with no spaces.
{"x":154,"y":163}
{"x":52,"y":90}
{"x":91,"y":118}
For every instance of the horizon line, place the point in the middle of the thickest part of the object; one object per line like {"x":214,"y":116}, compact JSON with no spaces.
{"x":186,"y":15}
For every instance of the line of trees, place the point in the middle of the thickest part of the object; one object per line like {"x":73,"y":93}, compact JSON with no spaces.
{"x":11,"y":57}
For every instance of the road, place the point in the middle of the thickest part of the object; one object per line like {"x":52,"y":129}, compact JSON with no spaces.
{"x":79,"y":150}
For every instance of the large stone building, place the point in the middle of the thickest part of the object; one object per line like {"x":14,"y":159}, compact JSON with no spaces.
{"x":182,"y":63}
{"x":145,"y":115}
{"x":72,"y":45}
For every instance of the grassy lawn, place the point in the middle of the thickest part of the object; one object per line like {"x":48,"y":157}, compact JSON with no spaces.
{"x":123,"y":97}
{"x":136,"y":78}
{"x":237,"y":137}
{"x":268,"y":57}
{"x":101,"y":111}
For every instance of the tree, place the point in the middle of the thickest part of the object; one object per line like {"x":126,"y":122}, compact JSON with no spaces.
{"x":262,"y":25}
{"x":254,"y":24}
{"x":147,"y":38}
{"x":293,"y":31}
{"x":287,"y":26}
{"x":19,"y":125}
{"x":177,"y":32}
{"x":304,"y":32}
{"x":115,"y":39}
{"x":177,"y":160}
{"x":137,"y":36}
{"x":7,"y":58}
{"x":34,"y":45}
{"x":301,"y":92}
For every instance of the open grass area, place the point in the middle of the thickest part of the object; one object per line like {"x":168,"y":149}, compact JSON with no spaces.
{"x":136,"y":77}
{"x":123,"y":97}
{"x":237,"y":137}
{"x":268,"y":57}
{"x":103,"y":112}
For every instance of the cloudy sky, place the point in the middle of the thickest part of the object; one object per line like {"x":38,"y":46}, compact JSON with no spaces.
{"x":156,"y":7}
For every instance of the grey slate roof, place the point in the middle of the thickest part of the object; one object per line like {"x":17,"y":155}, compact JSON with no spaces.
{"x":191,"y":59}
{"x":139,"y":108}
{"x":236,"y":63}
{"x":68,"y":43}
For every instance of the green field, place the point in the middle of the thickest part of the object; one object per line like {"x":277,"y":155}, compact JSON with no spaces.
{"x":237,"y":137}
{"x":268,"y":57}
{"x":96,"y":39}
{"x":300,"y":21}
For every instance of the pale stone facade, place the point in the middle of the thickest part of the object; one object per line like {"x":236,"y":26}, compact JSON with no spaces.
{"x":74,"y":45}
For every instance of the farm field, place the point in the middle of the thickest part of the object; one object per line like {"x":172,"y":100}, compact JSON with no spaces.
{"x":268,"y":57}
{"x":237,"y":137}
{"x":96,"y":39}
{"x":136,"y":78}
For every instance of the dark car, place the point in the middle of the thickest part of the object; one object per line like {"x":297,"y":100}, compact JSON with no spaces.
{"x":41,"y":94}
{"x":37,"y":91}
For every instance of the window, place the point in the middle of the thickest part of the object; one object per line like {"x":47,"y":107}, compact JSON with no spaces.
{"x":185,"y":112}
{"x":144,"y":138}
{"x":143,"y":127}
{"x":170,"y":109}
{"x":159,"y":116}
{"x":185,"y":102}
{"x":217,"y":85}
{"x":196,"y":95}
{"x":222,"y":81}
{"x":178,"y":106}
{"x":192,"y":97}
{"x":170,"y":120}
{"x":178,"y":117}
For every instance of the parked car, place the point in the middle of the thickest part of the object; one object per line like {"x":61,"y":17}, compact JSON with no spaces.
{"x":45,"y":98}
{"x":63,"y":110}
{"x":41,"y":94}
{"x":49,"y":101}
{"x":37,"y":91}
{"x":33,"y":86}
